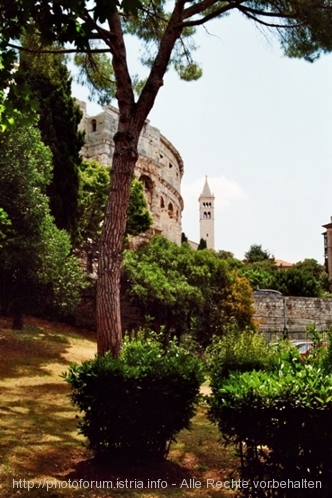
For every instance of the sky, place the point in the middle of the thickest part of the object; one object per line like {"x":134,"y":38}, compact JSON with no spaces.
{"x":259,"y":125}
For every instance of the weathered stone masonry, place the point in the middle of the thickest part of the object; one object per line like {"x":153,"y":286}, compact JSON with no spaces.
{"x":273,"y":314}
{"x":159,"y":167}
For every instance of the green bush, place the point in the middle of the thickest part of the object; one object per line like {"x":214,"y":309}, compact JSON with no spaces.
{"x":240,"y":351}
{"x":327,"y":358}
{"x":280,"y":420}
{"x":134,"y":406}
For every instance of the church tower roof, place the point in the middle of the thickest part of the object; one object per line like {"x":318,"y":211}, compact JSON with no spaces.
{"x":206,"y":190}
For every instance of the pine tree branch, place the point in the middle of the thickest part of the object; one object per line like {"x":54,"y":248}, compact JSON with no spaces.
{"x":208,"y":17}
{"x":155,"y":79}
{"x":58,"y":51}
{"x":124,"y":94}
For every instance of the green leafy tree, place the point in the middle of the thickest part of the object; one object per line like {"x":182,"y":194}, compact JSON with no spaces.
{"x":59,"y":116}
{"x":186,"y":290}
{"x":257,"y":253}
{"x":60,"y":279}
{"x":297,"y":283}
{"x":158,"y":285}
{"x":94,"y":185}
{"x":36,"y":268}
{"x":166,"y":31}
{"x":302,"y":279}
{"x":261,"y":274}
{"x":139,"y":220}
{"x":318,"y":272}
{"x":306,"y":278}
{"x":4,"y":222}
{"x":222,"y":254}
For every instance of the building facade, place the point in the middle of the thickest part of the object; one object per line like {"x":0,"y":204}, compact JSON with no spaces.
{"x":159,"y":167}
{"x":328,"y":247}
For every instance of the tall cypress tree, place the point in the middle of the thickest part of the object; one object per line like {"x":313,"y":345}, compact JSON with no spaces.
{"x":50,"y":83}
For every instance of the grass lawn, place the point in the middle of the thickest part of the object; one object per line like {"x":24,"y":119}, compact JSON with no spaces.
{"x":39,"y":443}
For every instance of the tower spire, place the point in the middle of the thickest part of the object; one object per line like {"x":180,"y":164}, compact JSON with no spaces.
{"x":206,"y":215}
{"x":206,"y":190}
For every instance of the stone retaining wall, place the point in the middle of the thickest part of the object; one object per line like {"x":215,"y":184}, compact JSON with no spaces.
{"x":85,"y":313}
{"x":274,"y":314}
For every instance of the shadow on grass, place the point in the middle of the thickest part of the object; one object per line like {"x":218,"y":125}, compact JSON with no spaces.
{"x":34,"y":418}
{"x":103,"y":470}
{"x":26,"y":353}
{"x":38,"y":426}
{"x":41,"y":442}
{"x":106,"y":480}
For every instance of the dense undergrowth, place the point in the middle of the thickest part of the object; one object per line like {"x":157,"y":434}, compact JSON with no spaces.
{"x":275,"y":406}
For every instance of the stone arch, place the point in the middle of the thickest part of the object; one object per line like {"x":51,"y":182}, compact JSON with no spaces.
{"x":170,"y":210}
{"x":162,"y":202}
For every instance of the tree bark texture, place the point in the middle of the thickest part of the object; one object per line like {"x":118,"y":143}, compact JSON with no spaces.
{"x":109,"y":337}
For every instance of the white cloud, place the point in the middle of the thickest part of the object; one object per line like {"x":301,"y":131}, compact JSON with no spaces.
{"x":225,"y":191}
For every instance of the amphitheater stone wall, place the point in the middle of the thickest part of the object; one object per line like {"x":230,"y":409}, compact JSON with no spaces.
{"x":159,"y":167}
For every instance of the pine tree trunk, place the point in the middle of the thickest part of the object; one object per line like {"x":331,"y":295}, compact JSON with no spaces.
{"x":109,"y":332}
{"x":131,"y":120}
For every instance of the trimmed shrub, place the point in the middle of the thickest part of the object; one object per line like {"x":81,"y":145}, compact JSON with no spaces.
{"x":281,"y":422}
{"x":134,"y":406}
{"x":240,"y":351}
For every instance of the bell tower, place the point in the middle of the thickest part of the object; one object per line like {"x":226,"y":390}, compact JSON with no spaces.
{"x":206,"y":215}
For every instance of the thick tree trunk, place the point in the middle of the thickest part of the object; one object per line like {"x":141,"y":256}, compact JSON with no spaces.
{"x":109,"y":333}
{"x":131,"y":120}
